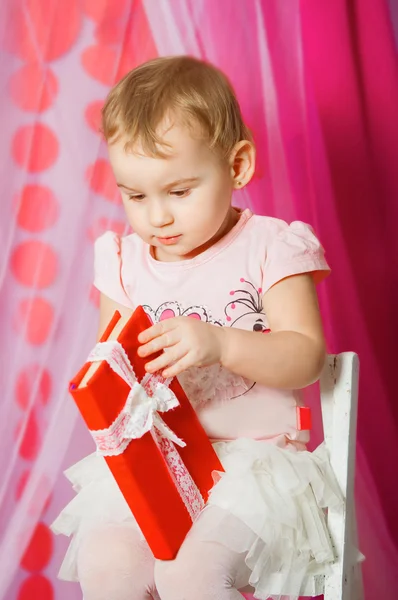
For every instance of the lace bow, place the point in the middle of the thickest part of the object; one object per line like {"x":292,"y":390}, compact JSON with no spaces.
{"x":140,"y":413}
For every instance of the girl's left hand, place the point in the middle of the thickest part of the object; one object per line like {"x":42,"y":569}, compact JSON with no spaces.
{"x":187,"y":343}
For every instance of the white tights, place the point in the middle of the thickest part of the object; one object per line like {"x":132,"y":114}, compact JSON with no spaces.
{"x":114,"y":563}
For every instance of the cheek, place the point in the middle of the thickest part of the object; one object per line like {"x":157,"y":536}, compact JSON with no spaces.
{"x":217,"y":201}
{"x":135,"y":217}
{"x":208,"y":219}
{"x":129,"y":212}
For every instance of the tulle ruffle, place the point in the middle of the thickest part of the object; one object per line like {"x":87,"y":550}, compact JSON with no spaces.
{"x":269,"y":505}
{"x":98,"y":501}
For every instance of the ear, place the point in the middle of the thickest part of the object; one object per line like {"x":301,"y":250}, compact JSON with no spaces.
{"x":242,"y":162}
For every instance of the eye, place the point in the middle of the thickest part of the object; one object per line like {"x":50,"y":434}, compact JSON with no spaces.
{"x":136,"y":197}
{"x":180,"y":193}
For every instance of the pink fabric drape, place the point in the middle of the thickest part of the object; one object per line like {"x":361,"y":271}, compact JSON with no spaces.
{"x":318,"y":84}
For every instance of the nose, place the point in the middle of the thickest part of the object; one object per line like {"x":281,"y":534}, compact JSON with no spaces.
{"x":160,"y":214}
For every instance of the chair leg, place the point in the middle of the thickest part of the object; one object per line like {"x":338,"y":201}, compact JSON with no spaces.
{"x":357,"y":591}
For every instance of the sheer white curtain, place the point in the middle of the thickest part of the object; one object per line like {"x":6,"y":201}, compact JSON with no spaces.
{"x":58,"y":59}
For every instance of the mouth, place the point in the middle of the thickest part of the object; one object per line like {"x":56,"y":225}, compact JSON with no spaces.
{"x":168,"y":241}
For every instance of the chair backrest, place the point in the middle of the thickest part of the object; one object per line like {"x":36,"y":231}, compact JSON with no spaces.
{"x":339,"y":400}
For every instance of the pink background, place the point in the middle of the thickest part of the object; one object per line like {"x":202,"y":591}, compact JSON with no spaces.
{"x":318,"y":84}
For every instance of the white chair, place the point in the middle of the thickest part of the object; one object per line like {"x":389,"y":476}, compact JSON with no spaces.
{"x":339,"y":400}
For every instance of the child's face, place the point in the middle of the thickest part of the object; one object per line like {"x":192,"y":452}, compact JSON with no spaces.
{"x":177,"y":204}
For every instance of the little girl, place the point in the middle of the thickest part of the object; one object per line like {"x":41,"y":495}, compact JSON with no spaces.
{"x":232,"y":299}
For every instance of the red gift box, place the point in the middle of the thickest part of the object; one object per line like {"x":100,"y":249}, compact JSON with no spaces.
{"x":164,"y":484}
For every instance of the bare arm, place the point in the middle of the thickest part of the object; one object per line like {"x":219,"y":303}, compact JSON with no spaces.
{"x":292,"y":356}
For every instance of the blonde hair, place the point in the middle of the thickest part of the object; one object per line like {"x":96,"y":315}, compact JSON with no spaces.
{"x":192,"y":91}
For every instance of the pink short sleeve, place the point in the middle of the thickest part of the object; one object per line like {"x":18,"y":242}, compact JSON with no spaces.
{"x":108,"y":268}
{"x":294,"y":250}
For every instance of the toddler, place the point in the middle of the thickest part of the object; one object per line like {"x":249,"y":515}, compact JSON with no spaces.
{"x":231,"y":296}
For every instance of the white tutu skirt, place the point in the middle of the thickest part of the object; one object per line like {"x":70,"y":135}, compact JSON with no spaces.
{"x":269,"y":505}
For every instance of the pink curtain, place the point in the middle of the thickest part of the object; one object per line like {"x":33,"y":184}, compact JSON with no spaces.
{"x":318,"y":84}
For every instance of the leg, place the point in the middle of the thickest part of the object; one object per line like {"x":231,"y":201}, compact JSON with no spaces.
{"x":202,"y":571}
{"x":115,"y":564}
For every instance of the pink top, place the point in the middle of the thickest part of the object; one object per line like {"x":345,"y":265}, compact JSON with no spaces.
{"x":223,"y":285}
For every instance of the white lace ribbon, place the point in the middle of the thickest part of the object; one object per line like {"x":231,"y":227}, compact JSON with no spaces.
{"x":139,"y":415}
{"x":143,"y":404}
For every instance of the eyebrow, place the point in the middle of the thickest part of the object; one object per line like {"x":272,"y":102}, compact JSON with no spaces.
{"x":169,"y":185}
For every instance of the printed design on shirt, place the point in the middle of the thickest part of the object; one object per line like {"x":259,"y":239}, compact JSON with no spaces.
{"x":246,"y":310}
{"x":168,"y":310}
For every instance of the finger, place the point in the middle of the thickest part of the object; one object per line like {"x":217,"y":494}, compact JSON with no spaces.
{"x":160,"y":343}
{"x":172,"y":355}
{"x":155,"y":331}
{"x":178,"y":367}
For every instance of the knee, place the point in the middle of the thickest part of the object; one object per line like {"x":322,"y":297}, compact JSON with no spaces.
{"x":171,"y":579}
{"x":189,"y":580}
{"x":113,"y":562}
